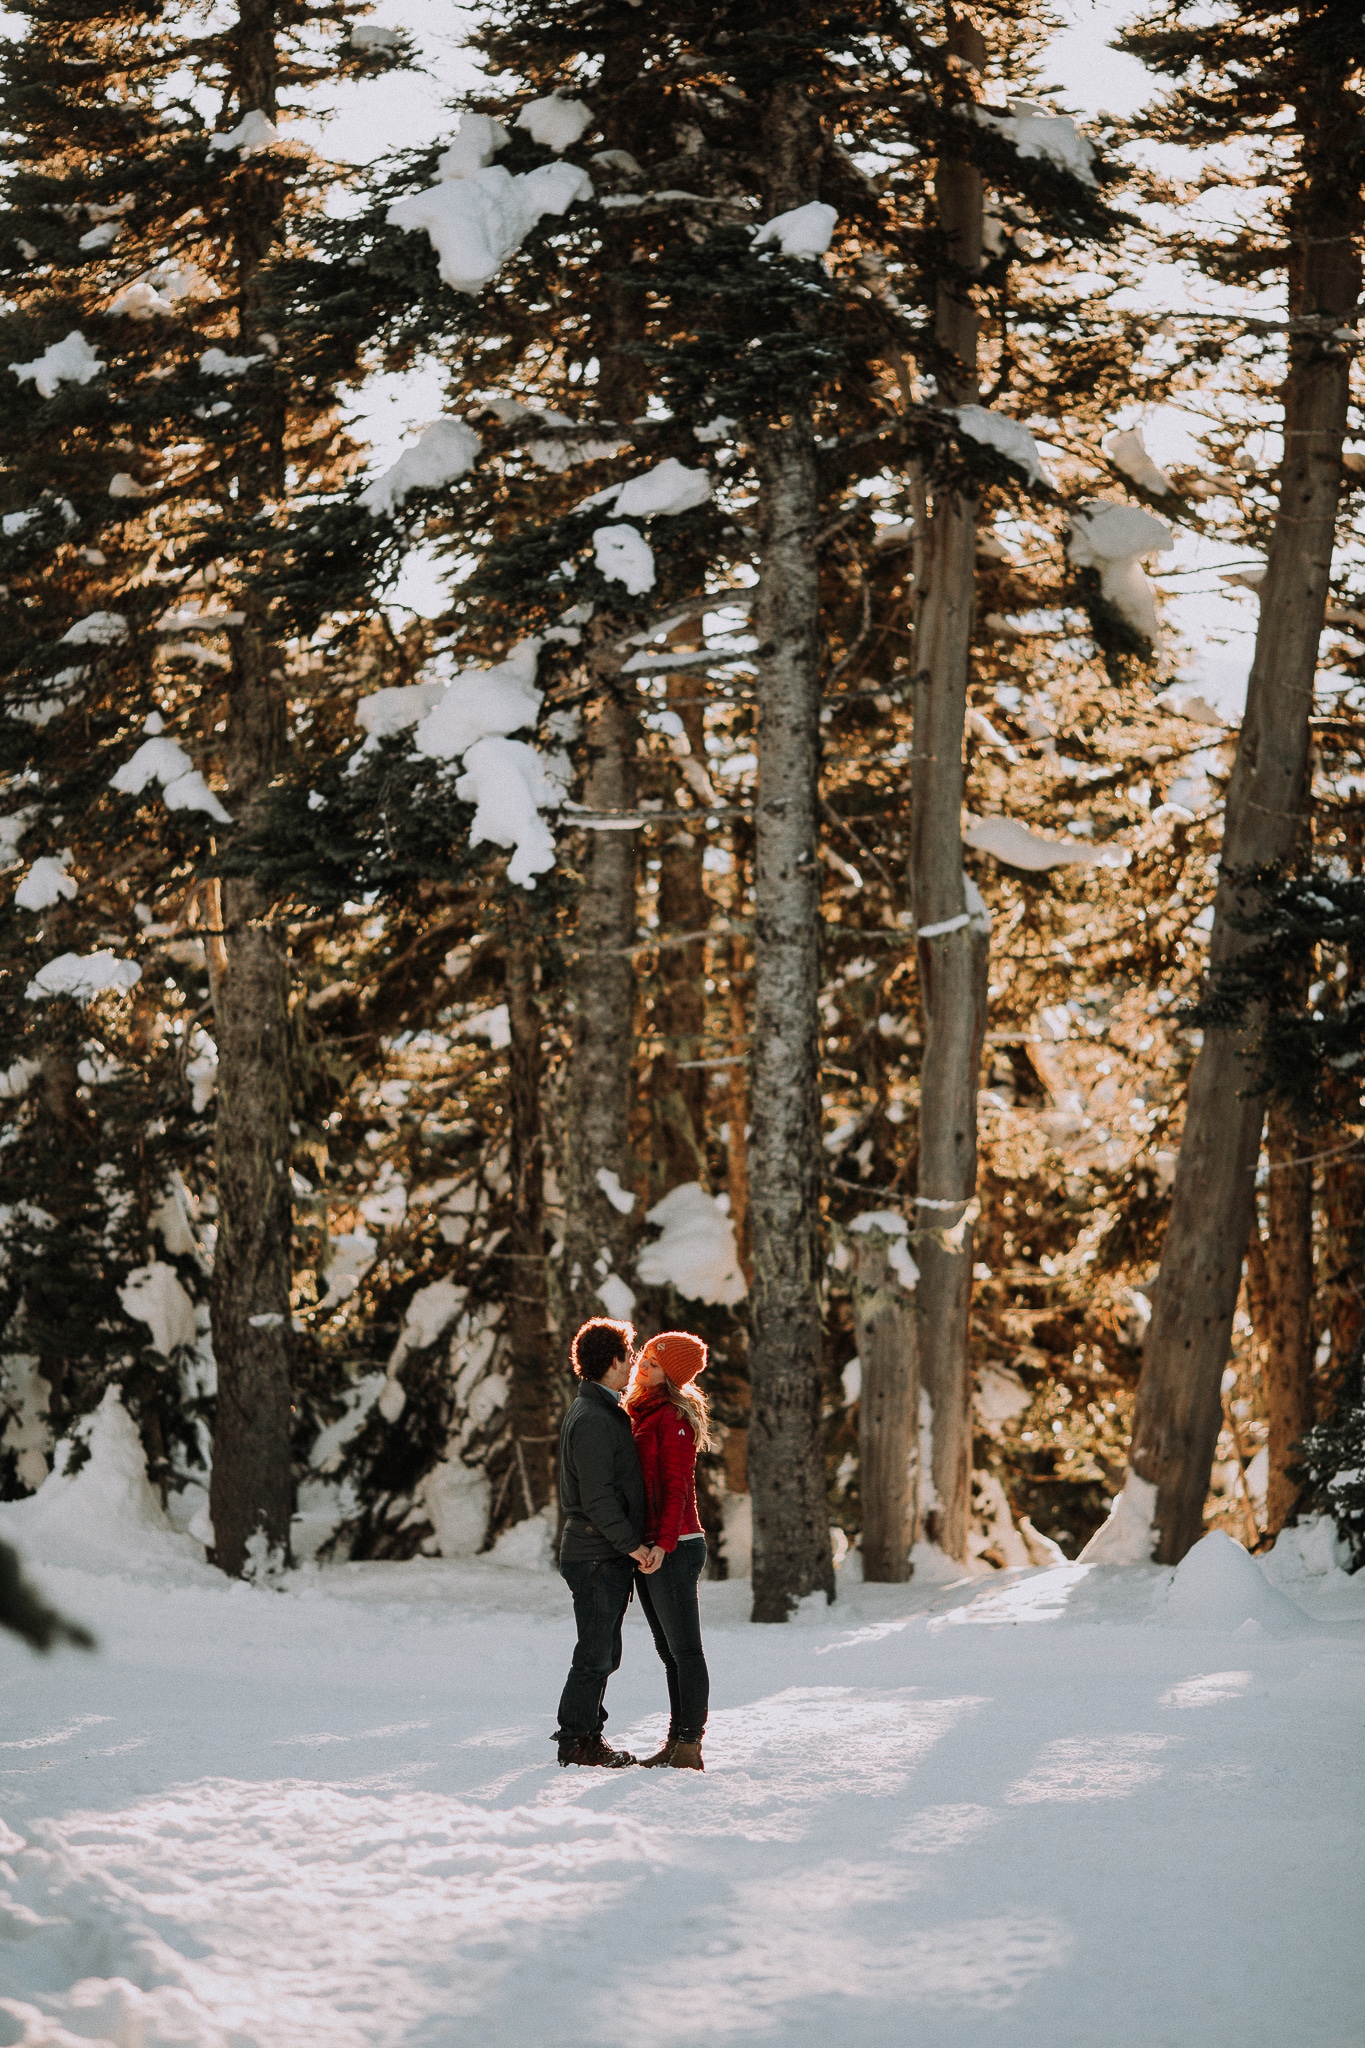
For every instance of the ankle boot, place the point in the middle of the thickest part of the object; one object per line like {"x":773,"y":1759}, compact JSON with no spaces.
{"x":662,"y":1755}
{"x":591,"y":1750}
{"x":687,"y":1756}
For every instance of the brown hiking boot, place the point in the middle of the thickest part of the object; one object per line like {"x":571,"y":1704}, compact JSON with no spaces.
{"x":592,"y":1750}
{"x":662,"y":1755}
{"x":686,"y":1756}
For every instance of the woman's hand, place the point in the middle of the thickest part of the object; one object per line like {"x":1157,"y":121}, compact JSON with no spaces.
{"x":648,"y":1557}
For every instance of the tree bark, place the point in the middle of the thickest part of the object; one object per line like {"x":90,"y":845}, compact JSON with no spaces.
{"x":1175,"y":1428}
{"x":598,"y":1239}
{"x":678,"y":1092}
{"x":888,"y":1411}
{"x":954,"y":956}
{"x":1289,"y":1307}
{"x":251,"y":1486}
{"x":530,"y":1402}
{"x":792,"y":1554}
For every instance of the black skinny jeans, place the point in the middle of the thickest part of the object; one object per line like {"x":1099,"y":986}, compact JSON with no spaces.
{"x":669,"y":1599}
{"x":601,"y":1594}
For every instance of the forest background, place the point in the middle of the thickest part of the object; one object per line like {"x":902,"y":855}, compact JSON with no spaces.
{"x":476,"y":855}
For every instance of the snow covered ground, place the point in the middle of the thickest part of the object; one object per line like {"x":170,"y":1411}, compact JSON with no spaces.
{"x":1052,"y":1809}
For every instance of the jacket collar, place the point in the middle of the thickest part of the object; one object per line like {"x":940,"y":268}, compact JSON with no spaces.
{"x":600,"y":1397}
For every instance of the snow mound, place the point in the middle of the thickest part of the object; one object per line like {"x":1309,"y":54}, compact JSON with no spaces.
{"x":696,"y":1251}
{"x":625,"y":556}
{"x":477,"y":220}
{"x":1310,"y":1565}
{"x":106,"y":1517}
{"x":71,"y":975}
{"x":804,"y":232}
{"x":556,"y":123}
{"x":1115,"y":539}
{"x":1219,"y":1586}
{"x":444,"y":451}
{"x":997,"y":430}
{"x":71,"y":361}
{"x":527,"y":1546}
{"x":1020,"y":847}
{"x":1128,"y":1536}
{"x":1052,"y":138}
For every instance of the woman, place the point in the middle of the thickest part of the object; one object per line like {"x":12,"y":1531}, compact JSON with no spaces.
{"x":668,"y":1415}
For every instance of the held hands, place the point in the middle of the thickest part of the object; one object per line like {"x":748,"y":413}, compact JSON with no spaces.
{"x":649,"y":1557}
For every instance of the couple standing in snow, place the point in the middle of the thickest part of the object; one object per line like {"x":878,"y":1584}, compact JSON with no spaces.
{"x":627,"y":1487}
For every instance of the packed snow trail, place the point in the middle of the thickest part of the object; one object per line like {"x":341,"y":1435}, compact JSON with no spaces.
{"x":1030,"y":1809}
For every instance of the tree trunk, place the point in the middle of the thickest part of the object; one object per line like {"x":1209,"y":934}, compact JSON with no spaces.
{"x":598,"y":1239}
{"x":792,"y":1554}
{"x":953,"y":947}
{"x":1176,"y":1424}
{"x":888,"y":1411}
{"x":530,"y":1403}
{"x":251,"y":1488}
{"x":678,"y":1092}
{"x":1289,"y":1307}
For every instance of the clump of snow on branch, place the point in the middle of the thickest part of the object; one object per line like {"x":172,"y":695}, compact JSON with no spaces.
{"x":97,"y":629}
{"x":444,"y":451}
{"x":695,"y":1251}
{"x":510,"y":784}
{"x":663,"y":492}
{"x":896,"y":1231}
{"x":1042,"y":135}
{"x":12,"y":830}
{"x":556,"y":123}
{"x":1128,"y":453}
{"x":153,"y":1295}
{"x":46,"y":883}
{"x":1020,"y":847}
{"x":1115,"y":539}
{"x":82,"y":979}
{"x":255,"y":131}
{"x":624,"y":556}
{"x":370,"y":35}
{"x":621,"y":1199}
{"x":183,"y":788}
{"x":101,"y":237}
{"x":804,"y":232}
{"x":479,"y":214}
{"x":385,"y":713}
{"x":494,"y":1026}
{"x":482,"y":703}
{"x":616,"y":1297}
{"x":71,"y":361}
{"x":215,"y":362}
{"x":997,"y":430}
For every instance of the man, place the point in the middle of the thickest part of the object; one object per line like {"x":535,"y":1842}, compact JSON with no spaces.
{"x":603,"y":1498}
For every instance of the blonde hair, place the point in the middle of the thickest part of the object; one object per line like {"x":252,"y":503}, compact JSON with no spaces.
{"x":691,"y":1404}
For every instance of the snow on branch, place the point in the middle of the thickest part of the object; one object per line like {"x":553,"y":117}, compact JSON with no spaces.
{"x":1036,"y":133}
{"x":97,"y":629}
{"x":71,"y":361}
{"x":82,"y":979}
{"x":46,"y":883}
{"x":1128,"y":453}
{"x":479,"y":214}
{"x":255,"y":131}
{"x":695,"y":1251}
{"x":556,"y":123}
{"x":997,"y":430}
{"x":183,"y":788}
{"x":444,"y":451}
{"x":804,"y":232}
{"x":624,"y":556}
{"x":1019,"y":847}
{"x":1115,"y":539}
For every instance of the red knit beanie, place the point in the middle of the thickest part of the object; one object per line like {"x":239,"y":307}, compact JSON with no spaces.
{"x":681,"y":1355}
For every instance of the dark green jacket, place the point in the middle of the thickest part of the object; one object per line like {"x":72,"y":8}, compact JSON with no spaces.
{"x":600,"y":1488}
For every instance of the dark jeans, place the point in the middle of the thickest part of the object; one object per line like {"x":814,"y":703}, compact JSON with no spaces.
{"x":601,"y":1594}
{"x":669,"y":1599}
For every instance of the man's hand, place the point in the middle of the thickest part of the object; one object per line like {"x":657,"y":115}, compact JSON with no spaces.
{"x":648,"y":1557}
